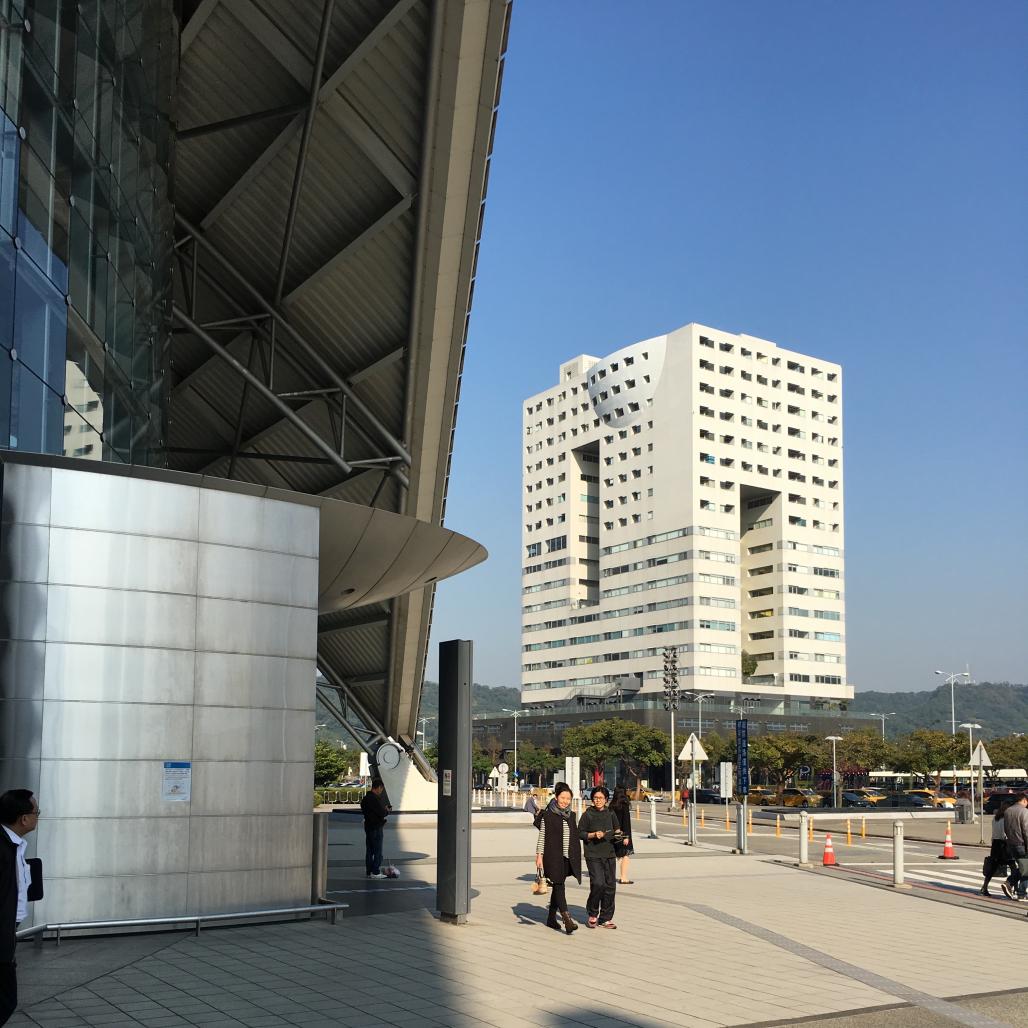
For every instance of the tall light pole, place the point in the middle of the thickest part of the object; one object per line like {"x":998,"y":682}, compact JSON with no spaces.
{"x":671,"y":705}
{"x":883,"y":717}
{"x":970,"y":726}
{"x":424,"y":721}
{"x":833,"y":739}
{"x":516,"y":714}
{"x":699,"y":697}
{"x":950,"y":680}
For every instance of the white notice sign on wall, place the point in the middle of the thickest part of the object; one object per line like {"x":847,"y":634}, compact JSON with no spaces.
{"x":177,"y":781}
{"x":447,"y":783}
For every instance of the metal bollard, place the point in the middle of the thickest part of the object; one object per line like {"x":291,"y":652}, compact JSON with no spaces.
{"x":804,"y":842}
{"x":653,"y":817}
{"x":740,"y":829}
{"x":897,"y":856}
{"x":691,"y":841}
{"x":319,"y":857}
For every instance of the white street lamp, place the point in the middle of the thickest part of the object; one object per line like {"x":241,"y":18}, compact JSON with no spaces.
{"x":951,"y":679}
{"x":699,"y":697}
{"x":833,"y":739}
{"x":515,"y":714}
{"x":970,"y":726}
{"x":883,"y":717}
{"x":424,"y":721}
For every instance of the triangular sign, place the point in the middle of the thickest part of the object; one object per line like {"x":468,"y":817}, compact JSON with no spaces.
{"x":494,"y":774}
{"x":693,"y":749}
{"x":980,"y":758}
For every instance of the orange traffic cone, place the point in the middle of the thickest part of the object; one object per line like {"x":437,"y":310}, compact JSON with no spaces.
{"x":947,"y":847}
{"x":828,"y":860}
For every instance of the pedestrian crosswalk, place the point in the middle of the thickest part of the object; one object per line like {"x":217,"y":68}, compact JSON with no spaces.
{"x":964,"y":878}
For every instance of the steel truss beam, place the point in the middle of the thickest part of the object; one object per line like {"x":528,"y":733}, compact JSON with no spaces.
{"x":255,"y":383}
{"x":271,"y":114}
{"x":352,"y":704}
{"x":344,"y":115}
{"x":311,"y":352}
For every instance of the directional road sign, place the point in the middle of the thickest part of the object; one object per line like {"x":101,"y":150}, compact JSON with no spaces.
{"x":693,"y":749}
{"x":980,"y":758}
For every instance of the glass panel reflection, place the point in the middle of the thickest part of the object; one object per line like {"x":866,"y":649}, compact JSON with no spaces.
{"x":85,"y":226}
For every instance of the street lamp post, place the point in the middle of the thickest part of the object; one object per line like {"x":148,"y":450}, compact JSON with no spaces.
{"x":970,"y":726}
{"x":699,"y":697}
{"x":671,"y":705}
{"x":951,"y":679}
{"x":516,"y":714}
{"x":883,"y":717}
{"x":424,"y":721}
{"x":833,"y":739}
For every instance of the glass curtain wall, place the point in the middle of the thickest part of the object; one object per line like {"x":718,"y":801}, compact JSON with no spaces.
{"x":85,"y":226}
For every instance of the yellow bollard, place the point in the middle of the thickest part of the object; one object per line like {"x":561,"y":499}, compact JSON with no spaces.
{"x":685,"y":817}
{"x":638,"y":811}
{"x":849,"y":833}
{"x":727,"y":826}
{"x":703,"y":824}
{"x":810,"y":829}
{"x":778,"y":826}
{"x":749,"y":822}
{"x":863,"y":828}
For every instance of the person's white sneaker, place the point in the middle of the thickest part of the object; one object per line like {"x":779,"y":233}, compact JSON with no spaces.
{"x":379,"y":877}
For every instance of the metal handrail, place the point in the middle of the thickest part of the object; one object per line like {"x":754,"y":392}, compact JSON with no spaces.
{"x":39,"y":931}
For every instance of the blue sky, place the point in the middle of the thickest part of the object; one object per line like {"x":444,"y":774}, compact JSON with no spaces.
{"x":847,"y":180}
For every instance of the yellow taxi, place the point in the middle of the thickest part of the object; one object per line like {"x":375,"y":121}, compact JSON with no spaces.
{"x":761,"y":796}
{"x":874,"y":796}
{"x":939,"y":802}
{"x":801,"y":798}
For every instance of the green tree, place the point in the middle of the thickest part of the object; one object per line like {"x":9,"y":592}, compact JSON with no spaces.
{"x":779,"y":756}
{"x":749,"y":665}
{"x":925,"y":752}
{"x":329,"y":763}
{"x":432,"y":755}
{"x":537,"y":760}
{"x":1008,"y":751}
{"x":481,"y":762}
{"x":863,"y":751}
{"x":639,"y":746}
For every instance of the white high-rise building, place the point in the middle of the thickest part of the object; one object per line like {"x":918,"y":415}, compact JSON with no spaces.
{"x":686,"y":491}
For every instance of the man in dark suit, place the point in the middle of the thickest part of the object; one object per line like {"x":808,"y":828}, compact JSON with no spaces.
{"x":19,"y":884}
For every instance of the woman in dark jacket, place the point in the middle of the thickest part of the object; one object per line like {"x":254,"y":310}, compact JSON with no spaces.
{"x":623,"y":850}
{"x":559,"y":853}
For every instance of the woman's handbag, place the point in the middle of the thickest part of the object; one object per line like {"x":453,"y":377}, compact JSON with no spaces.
{"x":540,"y":887}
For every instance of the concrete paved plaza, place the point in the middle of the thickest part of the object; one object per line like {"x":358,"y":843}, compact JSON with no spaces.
{"x":704,"y":938}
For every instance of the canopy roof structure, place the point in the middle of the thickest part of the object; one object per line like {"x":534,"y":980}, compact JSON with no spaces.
{"x":330,"y":172}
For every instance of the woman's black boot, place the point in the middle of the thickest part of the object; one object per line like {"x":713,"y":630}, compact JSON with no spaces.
{"x":551,"y":921}
{"x":570,"y":924}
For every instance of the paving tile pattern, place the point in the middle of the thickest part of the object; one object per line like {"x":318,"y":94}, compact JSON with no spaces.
{"x":669,"y":963}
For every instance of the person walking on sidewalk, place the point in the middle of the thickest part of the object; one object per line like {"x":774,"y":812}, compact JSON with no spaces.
{"x":1015,"y":824}
{"x":997,"y":862}
{"x":21,"y":882}
{"x":375,"y":810}
{"x":559,"y":854}
{"x":599,"y":828}
{"x":621,"y":807}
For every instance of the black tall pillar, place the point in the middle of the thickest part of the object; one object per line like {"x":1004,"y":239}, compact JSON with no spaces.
{"x":453,"y":843}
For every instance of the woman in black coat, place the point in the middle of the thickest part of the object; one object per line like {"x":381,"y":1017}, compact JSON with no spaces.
{"x":559,"y":853}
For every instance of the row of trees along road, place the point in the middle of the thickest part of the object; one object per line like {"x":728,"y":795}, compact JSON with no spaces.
{"x":775,"y":757}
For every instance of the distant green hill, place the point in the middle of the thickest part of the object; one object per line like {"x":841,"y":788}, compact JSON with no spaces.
{"x":999,"y":707}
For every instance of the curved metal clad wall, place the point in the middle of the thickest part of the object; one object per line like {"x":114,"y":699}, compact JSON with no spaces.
{"x":148,"y":622}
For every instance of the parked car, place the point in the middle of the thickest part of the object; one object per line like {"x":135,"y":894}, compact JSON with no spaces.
{"x":761,"y":796}
{"x":707,"y":796}
{"x":800,"y":798}
{"x":855,"y":799}
{"x":872,"y":795}
{"x":996,"y":799}
{"x":940,"y":802}
{"x":907,"y":799}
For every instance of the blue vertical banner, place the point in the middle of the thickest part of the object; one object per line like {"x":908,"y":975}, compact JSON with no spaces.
{"x":742,"y":757}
